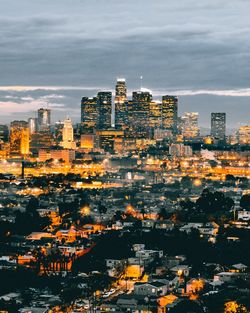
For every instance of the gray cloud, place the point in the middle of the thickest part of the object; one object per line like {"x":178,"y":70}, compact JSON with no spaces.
{"x":197,"y":46}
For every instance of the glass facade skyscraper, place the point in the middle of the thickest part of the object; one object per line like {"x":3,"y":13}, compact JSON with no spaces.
{"x":89,"y":114}
{"x":121,"y":105}
{"x":218,"y":126}
{"x":104,"y":107}
{"x":170,"y":113}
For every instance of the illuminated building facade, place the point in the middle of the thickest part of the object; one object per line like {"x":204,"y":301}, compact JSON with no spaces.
{"x":140,"y":112}
{"x":33,"y":125}
{"x":121,"y":109}
{"x":218,"y":126}
{"x":87,"y":141}
{"x":121,"y":90}
{"x":44,"y":120}
{"x":180,"y":150}
{"x":57,"y":154}
{"x":244,"y":135}
{"x":155,"y":114}
{"x":42,"y":139}
{"x":68,"y":135}
{"x":108,"y":139}
{"x":104,"y":105}
{"x":19,"y":138}
{"x":189,"y":125}
{"x":170,"y":113}
{"x":89,"y":114}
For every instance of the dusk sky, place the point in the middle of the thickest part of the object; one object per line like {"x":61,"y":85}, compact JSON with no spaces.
{"x":53,"y":52}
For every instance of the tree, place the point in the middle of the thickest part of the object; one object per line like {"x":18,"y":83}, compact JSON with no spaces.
{"x":118,"y":215}
{"x":162,"y":215}
{"x":230,"y":178}
{"x":186,"y":182}
{"x":32,"y":205}
{"x":102,"y":209}
{"x":245,"y":202}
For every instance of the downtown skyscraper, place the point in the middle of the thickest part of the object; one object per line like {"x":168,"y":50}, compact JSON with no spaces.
{"x":139,"y":112}
{"x":121,"y":105}
{"x":44,"y":119}
{"x":19,"y":138}
{"x":189,"y":125}
{"x":89,"y":114}
{"x":104,"y":108}
{"x":170,"y":113}
{"x":218,"y":126}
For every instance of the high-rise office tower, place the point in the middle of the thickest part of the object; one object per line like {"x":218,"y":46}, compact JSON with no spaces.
{"x":33,"y":125}
{"x":68,"y":135}
{"x":19,"y":138}
{"x":170,"y":113}
{"x":155,"y":112}
{"x":104,"y":105}
{"x":141,"y":112}
{"x":243,"y":135}
{"x":120,"y":90}
{"x":218,"y":126}
{"x":89,"y":114}
{"x":44,"y":119}
{"x":189,"y":125}
{"x":121,"y":110}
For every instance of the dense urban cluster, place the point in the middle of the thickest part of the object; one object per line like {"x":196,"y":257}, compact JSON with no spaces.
{"x":131,"y":210}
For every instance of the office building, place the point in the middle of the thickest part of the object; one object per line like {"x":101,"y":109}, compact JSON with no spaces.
{"x":121,"y":90}
{"x":180,"y":150}
{"x":121,"y":109}
{"x":244,"y":135}
{"x":33,"y":125}
{"x":108,"y":139}
{"x":44,"y":120}
{"x":57,"y":155}
{"x":155,"y":114}
{"x":140,"y":113}
{"x":218,"y":126}
{"x":170,"y":113}
{"x":19,"y":138}
{"x":104,"y":105}
{"x":189,"y":125}
{"x":87,"y":141}
{"x":41,"y":139}
{"x":89,"y":114}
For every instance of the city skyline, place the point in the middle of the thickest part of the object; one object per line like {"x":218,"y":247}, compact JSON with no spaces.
{"x":197,"y":51}
{"x":30,"y":98}
{"x":124,"y":156}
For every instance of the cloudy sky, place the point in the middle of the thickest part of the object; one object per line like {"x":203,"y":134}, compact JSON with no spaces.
{"x":53,"y":52}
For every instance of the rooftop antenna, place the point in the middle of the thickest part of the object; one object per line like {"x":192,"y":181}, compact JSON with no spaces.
{"x":141,"y":78}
